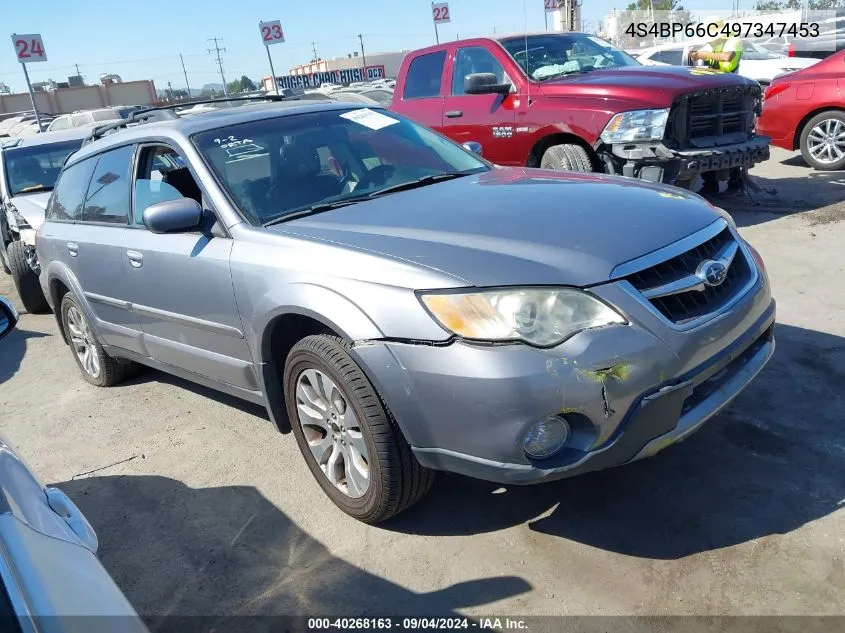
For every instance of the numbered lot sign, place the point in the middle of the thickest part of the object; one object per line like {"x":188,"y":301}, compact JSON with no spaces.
{"x":440,"y":12}
{"x":552,"y":5}
{"x":271,"y":32}
{"x":29,"y":48}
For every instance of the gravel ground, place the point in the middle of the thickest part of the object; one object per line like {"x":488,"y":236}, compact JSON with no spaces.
{"x":203,"y":508}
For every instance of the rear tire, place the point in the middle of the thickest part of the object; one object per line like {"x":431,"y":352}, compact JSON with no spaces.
{"x":395,"y":480}
{"x":26,"y":281}
{"x":97,"y":367}
{"x":566,"y":157}
{"x":817,"y":128}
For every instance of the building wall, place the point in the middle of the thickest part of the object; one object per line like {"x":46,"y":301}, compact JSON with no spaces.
{"x":65,"y":100}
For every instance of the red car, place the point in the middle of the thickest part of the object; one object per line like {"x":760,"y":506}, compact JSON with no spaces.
{"x":806,"y":110}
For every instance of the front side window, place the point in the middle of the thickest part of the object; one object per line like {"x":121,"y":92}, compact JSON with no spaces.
{"x":674,"y":56}
{"x":424,"y":74}
{"x":66,"y":202}
{"x":162,"y":176}
{"x":35,"y":168}
{"x":471,"y":60}
{"x":555,"y":54}
{"x":276,"y":167}
{"x":108,"y":193}
{"x":61,"y":123}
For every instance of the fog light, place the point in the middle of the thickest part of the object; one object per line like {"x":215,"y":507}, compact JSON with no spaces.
{"x":546,"y":437}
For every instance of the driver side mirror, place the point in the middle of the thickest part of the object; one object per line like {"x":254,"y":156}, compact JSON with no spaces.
{"x":173,"y":216}
{"x":8,"y":317}
{"x":484,"y":84}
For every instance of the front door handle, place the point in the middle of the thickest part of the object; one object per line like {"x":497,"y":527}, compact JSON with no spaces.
{"x":454,"y":114}
{"x":136,"y":259}
{"x":73,"y":249}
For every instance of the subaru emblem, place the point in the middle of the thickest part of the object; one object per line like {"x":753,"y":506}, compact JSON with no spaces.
{"x":711,"y":272}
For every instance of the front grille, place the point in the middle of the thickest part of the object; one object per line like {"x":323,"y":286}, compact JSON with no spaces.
{"x":684,"y":307}
{"x":713,"y":117}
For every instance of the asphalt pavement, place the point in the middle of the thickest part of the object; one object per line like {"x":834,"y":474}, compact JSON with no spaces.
{"x":203,"y":508}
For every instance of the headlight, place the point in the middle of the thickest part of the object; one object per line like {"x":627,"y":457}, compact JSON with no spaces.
{"x":638,"y":125}
{"x":540,"y":317}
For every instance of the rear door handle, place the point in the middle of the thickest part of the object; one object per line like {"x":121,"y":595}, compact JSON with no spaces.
{"x":73,"y":249}
{"x":136,"y":259}
{"x":454,"y":114}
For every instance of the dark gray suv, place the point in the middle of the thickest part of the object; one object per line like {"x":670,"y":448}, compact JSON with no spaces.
{"x":399,"y":303}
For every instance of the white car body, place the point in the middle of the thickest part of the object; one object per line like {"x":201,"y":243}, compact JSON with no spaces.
{"x":757,"y":63}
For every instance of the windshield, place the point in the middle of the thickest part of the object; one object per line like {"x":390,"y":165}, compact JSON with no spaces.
{"x":36,"y":168}
{"x":750,"y":50}
{"x":553,"y":55}
{"x":273,"y":168}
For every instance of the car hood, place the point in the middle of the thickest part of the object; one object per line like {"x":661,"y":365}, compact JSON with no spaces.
{"x":516,"y":226}
{"x":32,"y":206}
{"x":653,"y":85}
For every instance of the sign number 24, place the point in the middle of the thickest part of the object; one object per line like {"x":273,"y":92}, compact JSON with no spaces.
{"x":29,"y":48}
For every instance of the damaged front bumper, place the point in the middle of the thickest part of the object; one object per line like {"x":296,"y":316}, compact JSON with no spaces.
{"x":625,"y":392}
{"x":655,"y":162}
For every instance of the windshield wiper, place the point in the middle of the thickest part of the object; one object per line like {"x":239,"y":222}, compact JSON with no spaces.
{"x":419,"y":182}
{"x":336,"y":204}
{"x":35,"y":188}
{"x":317,"y":208}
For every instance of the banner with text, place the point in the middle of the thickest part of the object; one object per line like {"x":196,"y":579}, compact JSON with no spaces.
{"x":315,"y":80}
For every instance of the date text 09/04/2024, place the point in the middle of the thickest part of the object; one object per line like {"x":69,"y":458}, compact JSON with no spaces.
{"x":715,"y":31}
{"x":415,"y":624}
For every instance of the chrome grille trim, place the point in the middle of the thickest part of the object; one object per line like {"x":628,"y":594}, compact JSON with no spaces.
{"x":678,"y":248}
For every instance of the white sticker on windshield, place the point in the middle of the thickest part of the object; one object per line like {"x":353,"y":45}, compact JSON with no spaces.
{"x":369,"y":118}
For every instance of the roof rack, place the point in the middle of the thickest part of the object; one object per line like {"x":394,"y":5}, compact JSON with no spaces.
{"x":167,"y":113}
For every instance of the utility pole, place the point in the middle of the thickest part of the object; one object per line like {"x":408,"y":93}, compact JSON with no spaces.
{"x":363,"y":55}
{"x":187,"y":85}
{"x":170,"y":91}
{"x":217,"y":50}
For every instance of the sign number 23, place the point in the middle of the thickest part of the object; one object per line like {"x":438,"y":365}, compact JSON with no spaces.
{"x":271,"y":32}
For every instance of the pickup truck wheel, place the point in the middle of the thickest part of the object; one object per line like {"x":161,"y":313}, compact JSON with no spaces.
{"x":349,"y":439}
{"x":566,"y":158}
{"x":823,"y":141}
{"x":96,"y":366}
{"x":26,"y":281}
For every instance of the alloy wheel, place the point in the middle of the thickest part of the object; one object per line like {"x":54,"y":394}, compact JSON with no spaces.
{"x":333,"y":433}
{"x":826,"y":141}
{"x":82,"y":341}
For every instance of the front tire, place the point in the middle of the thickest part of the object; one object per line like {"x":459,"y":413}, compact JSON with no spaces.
{"x":566,"y":157}
{"x":822,"y":141}
{"x":26,"y":281}
{"x":96,"y":366}
{"x":349,"y":439}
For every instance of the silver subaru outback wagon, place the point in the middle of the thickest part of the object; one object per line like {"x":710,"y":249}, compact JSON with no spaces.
{"x":396,"y":301}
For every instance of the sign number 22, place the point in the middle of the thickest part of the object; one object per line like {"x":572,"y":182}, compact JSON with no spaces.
{"x":440,"y":12}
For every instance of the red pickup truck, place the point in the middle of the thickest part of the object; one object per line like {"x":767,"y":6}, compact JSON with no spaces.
{"x":572,"y":101}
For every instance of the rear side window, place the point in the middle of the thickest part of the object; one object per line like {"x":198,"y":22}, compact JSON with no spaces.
{"x":108,"y":193}
{"x":82,"y":119}
{"x":66,"y":203}
{"x":424,"y":75}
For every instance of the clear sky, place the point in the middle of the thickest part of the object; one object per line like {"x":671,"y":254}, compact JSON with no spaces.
{"x":143,"y":40}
